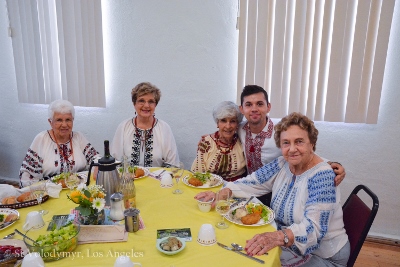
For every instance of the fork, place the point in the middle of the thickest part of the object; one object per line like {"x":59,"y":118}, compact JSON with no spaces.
{"x":158,"y":176}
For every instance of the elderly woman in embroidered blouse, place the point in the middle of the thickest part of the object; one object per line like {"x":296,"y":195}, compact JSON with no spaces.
{"x":144,"y":139}
{"x":221,"y":152}
{"x":57,"y":150}
{"x":306,"y":202}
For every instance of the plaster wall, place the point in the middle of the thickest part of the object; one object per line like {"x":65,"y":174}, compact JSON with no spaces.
{"x":189,"y":50}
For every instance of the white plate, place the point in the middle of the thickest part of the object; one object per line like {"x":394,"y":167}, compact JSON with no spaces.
{"x":221,"y":181}
{"x":146,"y":172}
{"x":82,"y":175}
{"x":6,"y":213}
{"x":271,"y":217}
{"x":15,"y":243}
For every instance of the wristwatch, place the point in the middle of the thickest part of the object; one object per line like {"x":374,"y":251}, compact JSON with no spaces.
{"x":285,"y":238}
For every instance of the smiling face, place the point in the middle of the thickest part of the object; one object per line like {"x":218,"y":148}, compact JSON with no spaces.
{"x":145,"y":106}
{"x":296,"y":146}
{"x":255,"y":108}
{"x":62,"y":125}
{"x":227,"y":128}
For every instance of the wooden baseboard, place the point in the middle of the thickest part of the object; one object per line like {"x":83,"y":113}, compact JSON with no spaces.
{"x":384,"y":241}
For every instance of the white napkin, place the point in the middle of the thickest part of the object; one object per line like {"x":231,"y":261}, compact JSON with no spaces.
{"x":53,"y":190}
{"x":102,"y":234}
{"x":7,"y":190}
{"x":157,"y":172}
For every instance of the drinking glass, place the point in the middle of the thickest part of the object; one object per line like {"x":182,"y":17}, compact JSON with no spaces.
{"x":177,"y":172}
{"x":71,"y":179}
{"x":222,"y":206}
{"x":38,"y":190}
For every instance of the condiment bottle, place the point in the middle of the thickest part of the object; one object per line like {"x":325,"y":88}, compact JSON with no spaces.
{"x":128,"y":188}
{"x":117,"y":207}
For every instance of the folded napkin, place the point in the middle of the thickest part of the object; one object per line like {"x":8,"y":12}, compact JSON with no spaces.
{"x":156,"y":174}
{"x":102,"y":234}
{"x":107,"y":222}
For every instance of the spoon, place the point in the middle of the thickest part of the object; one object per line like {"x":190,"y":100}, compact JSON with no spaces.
{"x":9,"y":235}
{"x":27,"y":237}
{"x":237,"y":247}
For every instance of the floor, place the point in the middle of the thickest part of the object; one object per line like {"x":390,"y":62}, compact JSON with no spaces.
{"x":375,"y":254}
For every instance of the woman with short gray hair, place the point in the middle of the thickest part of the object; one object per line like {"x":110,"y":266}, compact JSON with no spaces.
{"x":57,"y":150}
{"x":221,"y":153}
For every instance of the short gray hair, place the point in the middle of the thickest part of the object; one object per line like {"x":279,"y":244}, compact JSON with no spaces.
{"x":227,"y":109}
{"x":61,"y":106}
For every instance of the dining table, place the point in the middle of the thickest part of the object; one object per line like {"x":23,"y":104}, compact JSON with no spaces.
{"x":159,"y":209}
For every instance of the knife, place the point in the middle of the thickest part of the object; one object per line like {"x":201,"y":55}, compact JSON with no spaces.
{"x":4,"y":225}
{"x":241,"y":253}
{"x":234,"y":205}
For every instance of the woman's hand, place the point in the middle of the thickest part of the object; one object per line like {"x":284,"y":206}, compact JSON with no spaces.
{"x":262,"y":243}
{"x":206,"y":196}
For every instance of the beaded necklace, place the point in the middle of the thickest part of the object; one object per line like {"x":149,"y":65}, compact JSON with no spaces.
{"x":227,"y":147}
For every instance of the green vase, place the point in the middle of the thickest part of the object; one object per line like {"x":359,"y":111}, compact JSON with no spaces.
{"x":92,"y":219}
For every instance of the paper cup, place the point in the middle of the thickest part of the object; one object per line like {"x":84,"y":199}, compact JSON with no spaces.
{"x":34,"y":220}
{"x":204,"y":206}
{"x":206,"y":235}
{"x":166,"y":181}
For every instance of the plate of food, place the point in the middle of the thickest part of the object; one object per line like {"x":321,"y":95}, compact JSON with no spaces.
{"x":8,"y":217}
{"x":251,"y":214}
{"x":137,"y":172}
{"x":60,"y":178}
{"x":13,"y":250}
{"x":203,"y":180}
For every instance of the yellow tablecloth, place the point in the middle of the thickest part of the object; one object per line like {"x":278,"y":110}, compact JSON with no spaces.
{"x":160,"y":209}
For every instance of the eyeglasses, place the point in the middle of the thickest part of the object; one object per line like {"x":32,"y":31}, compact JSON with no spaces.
{"x":61,"y":121}
{"x":298,"y":143}
{"x":141,"y":102}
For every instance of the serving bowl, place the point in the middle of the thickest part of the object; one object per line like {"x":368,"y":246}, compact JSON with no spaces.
{"x":164,"y":240}
{"x":53,"y":245}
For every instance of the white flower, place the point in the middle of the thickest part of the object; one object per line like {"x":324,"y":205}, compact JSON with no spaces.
{"x":99,"y":203}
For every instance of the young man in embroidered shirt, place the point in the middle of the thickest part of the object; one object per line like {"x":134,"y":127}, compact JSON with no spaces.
{"x":257,"y":132}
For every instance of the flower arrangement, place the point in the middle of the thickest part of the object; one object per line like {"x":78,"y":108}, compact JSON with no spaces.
{"x":90,"y":199}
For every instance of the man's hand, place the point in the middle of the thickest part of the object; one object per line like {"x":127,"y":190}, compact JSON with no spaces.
{"x":339,"y":170}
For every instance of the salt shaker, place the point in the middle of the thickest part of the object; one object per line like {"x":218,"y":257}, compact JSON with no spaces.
{"x":117,"y":207}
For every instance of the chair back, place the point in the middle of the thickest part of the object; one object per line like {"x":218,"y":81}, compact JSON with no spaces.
{"x":358,"y":218}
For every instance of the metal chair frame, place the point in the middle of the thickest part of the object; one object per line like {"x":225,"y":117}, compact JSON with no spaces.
{"x":350,"y":208}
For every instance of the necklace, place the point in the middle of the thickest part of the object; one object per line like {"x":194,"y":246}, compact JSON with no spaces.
{"x":227,"y":147}
{"x":143,"y":136}
{"x":308,"y":164}
{"x":61,"y":151}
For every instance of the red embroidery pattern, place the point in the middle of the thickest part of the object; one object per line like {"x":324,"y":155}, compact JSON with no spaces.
{"x":253,"y":146}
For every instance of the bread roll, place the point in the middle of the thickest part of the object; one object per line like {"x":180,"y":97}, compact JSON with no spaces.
{"x":9,"y":200}
{"x":24,"y":197}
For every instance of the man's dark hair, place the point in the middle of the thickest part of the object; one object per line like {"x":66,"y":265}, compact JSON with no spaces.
{"x":251,"y":90}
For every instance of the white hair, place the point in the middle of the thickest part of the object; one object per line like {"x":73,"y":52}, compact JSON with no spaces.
{"x":227,"y":109}
{"x":61,"y":106}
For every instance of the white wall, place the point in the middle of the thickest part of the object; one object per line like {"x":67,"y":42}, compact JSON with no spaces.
{"x":188,"y":49}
